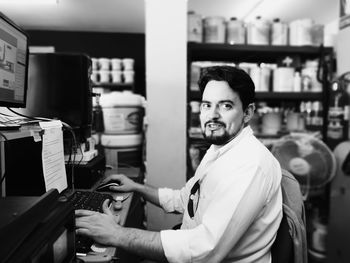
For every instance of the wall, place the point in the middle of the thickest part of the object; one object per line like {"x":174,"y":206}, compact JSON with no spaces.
{"x":97,"y":44}
{"x":166,"y":53}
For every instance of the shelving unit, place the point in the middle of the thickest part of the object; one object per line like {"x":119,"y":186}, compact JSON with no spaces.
{"x":115,"y":86}
{"x":266,"y":54}
{"x":195,"y":95}
{"x":251,"y":53}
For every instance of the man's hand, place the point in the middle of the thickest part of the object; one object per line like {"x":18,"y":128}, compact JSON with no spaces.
{"x":125,"y":183}
{"x":102,"y":228}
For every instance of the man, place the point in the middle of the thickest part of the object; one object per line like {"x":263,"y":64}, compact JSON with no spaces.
{"x":232,"y":207}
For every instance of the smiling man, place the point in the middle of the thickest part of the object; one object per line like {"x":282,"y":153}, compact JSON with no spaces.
{"x":232,"y":207}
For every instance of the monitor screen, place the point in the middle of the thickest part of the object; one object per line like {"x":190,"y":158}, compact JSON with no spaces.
{"x":13,"y":64}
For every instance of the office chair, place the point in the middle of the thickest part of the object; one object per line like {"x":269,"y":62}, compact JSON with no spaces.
{"x":290,"y":245}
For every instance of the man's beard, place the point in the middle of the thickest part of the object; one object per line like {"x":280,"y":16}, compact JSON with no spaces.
{"x":216,"y":139}
{"x":221,"y":139}
{"x":212,"y":138}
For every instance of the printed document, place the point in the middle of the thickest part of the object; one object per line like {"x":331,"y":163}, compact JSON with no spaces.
{"x":53,"y":156}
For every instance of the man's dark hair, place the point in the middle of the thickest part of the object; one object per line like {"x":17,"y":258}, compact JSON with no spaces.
{"x":238,"y":80}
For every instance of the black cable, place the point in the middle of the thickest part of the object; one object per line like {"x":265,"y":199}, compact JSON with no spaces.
{"x":3,"y":177}
{"x":74,"y":147}
{"x":25,"y":116}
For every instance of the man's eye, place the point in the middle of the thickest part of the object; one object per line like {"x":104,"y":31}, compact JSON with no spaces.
{"x":226,"y":106}
{"x":205,"y":106}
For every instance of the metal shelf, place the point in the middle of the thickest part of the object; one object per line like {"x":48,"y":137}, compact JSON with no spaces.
{"x":251,"y":53}
{"x":114,"y":86}
{"x":196,"y":95}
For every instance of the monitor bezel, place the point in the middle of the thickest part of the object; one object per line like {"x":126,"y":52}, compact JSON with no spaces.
{"x":23,"y":103}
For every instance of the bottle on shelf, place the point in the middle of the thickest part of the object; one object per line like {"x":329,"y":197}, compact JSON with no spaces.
{"x":297,"y":82}
{"x":195,"y":127}
{"x":97,"y":116}
{"x":338,"y":115}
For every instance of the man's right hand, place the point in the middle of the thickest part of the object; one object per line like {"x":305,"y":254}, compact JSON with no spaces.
{"x":125,"y":183}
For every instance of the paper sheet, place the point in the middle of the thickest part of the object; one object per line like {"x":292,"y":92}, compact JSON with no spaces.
{"x":53,"y":156}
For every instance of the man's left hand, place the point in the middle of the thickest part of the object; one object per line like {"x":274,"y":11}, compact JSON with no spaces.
{"x":102,"y":228}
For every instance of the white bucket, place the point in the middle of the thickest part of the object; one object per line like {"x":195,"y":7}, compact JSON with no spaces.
{"x":300,"y":32}
{"x":235,"y":31}
{"x":283,"y":79}
{"x":122,"y":149}
{"x":258,"y":32}
{"x":194,"y":27}
{"x":214,"y":29}
{"x":122,"y":112}
{"x":279,"y":33}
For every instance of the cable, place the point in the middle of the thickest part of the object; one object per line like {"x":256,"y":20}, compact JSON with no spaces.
{"x":3,"y":177}
{"x":74,"y":147}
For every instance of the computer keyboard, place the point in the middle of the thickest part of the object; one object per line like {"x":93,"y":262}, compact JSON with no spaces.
{"x":89,"y":201}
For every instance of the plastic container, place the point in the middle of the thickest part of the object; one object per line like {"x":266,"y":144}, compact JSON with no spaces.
{"x":104,"y":63}
{"x":122,"y":112}
{"x":279,"y":33}
{"x":300,"y":32}
{"x":258,"y":32}
{"x":95,"y":63}
{"x":265,"y":77}
{"x":195,"y":27}
{"x":128,"y":63}
{"x":254,"y":73}
{"x":283,"y":79}
{"x":128,"y":76}
{"x":271,"y":123}
{"x":235,"y":31}
{"x":297,"y":82}
{"x":310,"y":70}
{"x":214,"y":29}
{"x":116,"y":63}
{"x":95,"y":76}
{"x":121,"y":150}
{"x":117,"y":76}
{"x":104,"y":76}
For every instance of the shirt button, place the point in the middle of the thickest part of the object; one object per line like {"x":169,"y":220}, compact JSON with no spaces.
{"x":192,"y":197}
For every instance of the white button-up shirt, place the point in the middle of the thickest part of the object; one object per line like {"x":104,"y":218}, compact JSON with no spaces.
{"x":239,"y":208}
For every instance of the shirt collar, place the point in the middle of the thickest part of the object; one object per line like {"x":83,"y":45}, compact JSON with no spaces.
{"x":219,"y":150}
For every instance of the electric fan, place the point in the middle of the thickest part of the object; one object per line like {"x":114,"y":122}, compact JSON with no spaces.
{"x":309,"y":159}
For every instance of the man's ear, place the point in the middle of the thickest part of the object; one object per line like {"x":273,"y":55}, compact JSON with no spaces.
{"x":249,"y":112}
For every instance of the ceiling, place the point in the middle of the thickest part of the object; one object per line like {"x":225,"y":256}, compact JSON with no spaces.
{"x":129,"y":15}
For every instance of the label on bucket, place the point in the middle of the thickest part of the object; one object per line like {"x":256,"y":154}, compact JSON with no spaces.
{"x":121,"y":120}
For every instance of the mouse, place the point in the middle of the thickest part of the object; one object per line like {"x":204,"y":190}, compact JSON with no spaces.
{"x":105,"y":186}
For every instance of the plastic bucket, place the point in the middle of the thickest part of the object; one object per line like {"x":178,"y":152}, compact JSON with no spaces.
{"x":122,"y":113}
{"x":214,"y":29}
{"x":122,"y":149}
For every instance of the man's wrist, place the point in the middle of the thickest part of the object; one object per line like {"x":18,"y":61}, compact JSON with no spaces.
{"x":138,"y":187}
{"x":117,"y":236}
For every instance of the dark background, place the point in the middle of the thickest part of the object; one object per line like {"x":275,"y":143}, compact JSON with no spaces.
{"x":98,"y":44}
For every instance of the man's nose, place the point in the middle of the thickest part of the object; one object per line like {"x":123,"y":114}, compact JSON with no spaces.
{"x":214,"y":112}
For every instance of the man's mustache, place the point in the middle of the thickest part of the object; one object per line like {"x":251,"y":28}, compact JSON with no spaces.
{"x":214,"y":122}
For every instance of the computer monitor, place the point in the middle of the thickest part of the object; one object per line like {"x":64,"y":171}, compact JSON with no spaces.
{"x":13,"y":64}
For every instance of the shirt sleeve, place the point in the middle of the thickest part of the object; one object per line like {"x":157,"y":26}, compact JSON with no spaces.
{"x":175,"y":200}
{"x":231,"y":211}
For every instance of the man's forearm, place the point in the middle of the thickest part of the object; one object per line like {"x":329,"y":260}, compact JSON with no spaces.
{"x":149,"y":193}
{"x":143,"y":243}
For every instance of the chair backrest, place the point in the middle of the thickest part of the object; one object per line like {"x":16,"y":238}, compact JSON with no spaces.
{"x":290,"y":245}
